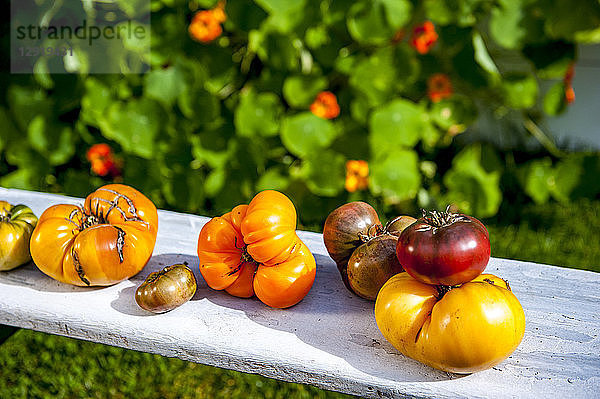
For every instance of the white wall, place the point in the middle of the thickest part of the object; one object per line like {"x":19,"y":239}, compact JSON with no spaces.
{"x":580,"y":124}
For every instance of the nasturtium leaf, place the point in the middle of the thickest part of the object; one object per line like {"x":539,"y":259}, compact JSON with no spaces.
{"x":397,"y":12}
{"x":165,"y":85}
{"x":456,"y":112}
{"x":305,"y":133}
{"x":473,"y":189}
{"x":258,"y":114}
{"x":520,"y":91}
{"x":134,"y":125}
{"x":300,"y":91}
{"x":459,"y":12}
{"x":375,"y":22}
{"x":26,"y":103}
{"x":277,"y":50}
{"x":554,"y":100}
{"x":536,"y":177}
{"x":395,"y":126}
{"x":396,"y":177}
{"x":383,"y":74}
{"x":272,"y":179}
{"x":54,"y":141}
{"x":244,"y":15}
{"x":506,"y":24}
{"x":324,"y":172}
{"x":199,"y":105}
{"x":215,"y":181}
{"x":367,"y":23}
{"x":212,"y":148}
{"x":567,"y":175}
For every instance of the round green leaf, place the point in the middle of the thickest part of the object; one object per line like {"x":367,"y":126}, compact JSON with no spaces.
{"x":470,"y":186}
{"x":395,"y":177}
{"x":305,"y":133}
{"x":258,"y":114}
{"x":387,"y":71}
{"x":272,"y":179}
{"x":520,"y":91}
{"x":300,"y":91}
{"x":458,"y":111}
{"x":134,"y":125}
{"x":55,"y":142}
{"x":395,"y":126}
{"x":554,"y":100}
{"x":164,"y":85}
{"x":324,"y":172}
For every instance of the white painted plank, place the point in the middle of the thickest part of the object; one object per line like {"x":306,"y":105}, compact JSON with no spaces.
{"x":330,"y":339}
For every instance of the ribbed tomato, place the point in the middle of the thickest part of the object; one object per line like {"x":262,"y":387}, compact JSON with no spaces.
{"x":109,"y":239}
{"x":254,"y":250}
{"x":461,"y":330}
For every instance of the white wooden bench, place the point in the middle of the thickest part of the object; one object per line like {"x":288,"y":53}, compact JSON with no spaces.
{"x":330,"y":339}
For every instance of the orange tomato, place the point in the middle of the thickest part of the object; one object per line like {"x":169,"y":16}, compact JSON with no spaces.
{"x":467,"y":329}
{"x":254,"y":250}
{"x":109,"y":239}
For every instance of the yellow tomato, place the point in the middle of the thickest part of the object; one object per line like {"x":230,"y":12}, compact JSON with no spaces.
{"x":464,"y":330}
{"x":16,"y":225}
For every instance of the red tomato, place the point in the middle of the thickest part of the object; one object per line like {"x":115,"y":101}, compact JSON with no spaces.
{"x":444,"y":248}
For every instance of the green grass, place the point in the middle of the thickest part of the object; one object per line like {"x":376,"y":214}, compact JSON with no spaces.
{"x":37,"y":365}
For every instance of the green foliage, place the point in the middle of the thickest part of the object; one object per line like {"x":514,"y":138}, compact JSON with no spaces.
{"x":210,"y":124}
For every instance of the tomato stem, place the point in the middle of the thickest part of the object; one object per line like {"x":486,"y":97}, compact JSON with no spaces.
{"x":374,"y":231}
{"x":445,"y":218}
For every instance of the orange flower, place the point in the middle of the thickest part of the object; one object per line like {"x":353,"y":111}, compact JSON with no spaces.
{"x":568,"y":80}
{"x":205,"y":26}
{"x":325,"y":105}
{"x":357,"y":175}
{"x":439,"y":87}
{"x":102,"y":160}
{"x":424,"y":37}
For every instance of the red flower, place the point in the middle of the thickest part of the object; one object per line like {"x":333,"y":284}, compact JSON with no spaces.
{"x":102,"y":160}
{"x":424,"y":37}
{"x":439,"y":87}
{"x":568,"y":80}
{"x":206,"y":24}
{"x":357,"y":175}
{"x":325,"y":105}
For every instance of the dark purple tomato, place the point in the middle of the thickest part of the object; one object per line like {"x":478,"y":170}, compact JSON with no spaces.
{"x":444,"y":248}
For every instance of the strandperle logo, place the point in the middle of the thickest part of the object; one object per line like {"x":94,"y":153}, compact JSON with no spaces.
{"x":82,"y":32}
{"x":86,"y":37}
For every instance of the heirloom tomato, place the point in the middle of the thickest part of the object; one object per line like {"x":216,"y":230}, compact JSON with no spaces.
{"x":346,"y":228}
{"x":16,"y":225}
{"x":167,"y":289}
{"x":444,"y":248}
{"x":372,"y":264}
{"x":109,"y":239}
{"x":461,"y":329}
{"x":254,"y":250}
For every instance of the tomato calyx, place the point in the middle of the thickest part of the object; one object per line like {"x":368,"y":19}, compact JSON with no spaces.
{"x":437,"y":219}
{"x":377,"y":230}
{"x":443,"y":290}
{"x":245,"y":257}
